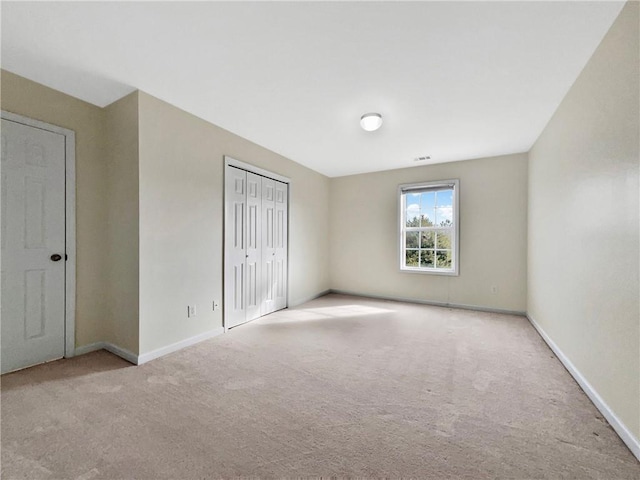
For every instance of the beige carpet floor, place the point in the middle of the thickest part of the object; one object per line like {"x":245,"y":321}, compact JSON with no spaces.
{"x":341,"y":386}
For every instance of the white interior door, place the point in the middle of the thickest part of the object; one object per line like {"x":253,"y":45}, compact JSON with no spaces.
{"x":280,"y":245}
{"x":33,"y":246}
{"x":253,"y":279}
{"x":268,"y":245}
{"x":235,"y":247}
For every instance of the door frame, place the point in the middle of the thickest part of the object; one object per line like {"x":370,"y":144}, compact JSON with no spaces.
{"x":70,"y":223}
{"x":232,"y":162}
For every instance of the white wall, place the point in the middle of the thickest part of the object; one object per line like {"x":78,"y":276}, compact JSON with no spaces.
{"x":493,"y":230}
{"x":583,"y":248}
{"x":181,"y":222}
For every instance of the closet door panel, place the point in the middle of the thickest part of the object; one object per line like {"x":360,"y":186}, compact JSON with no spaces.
{"x":235,"y":246}
{"x":254,"y":246}
{"x":280,"y":245}
{"x":268,"y":245}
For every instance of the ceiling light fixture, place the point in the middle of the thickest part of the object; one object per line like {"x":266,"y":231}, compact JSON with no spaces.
{"x":371,"y":121}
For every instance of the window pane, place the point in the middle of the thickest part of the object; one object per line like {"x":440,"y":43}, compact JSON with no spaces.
{"x":412,"y":212}
{"x":443,"y":259}
{"x":427,"y":208}
{"x":426,"y":220}
{"x":443,"y":240}
{"x":444,"y":198}
{"x":413,"y":222}
{"x":413,"y":198}
{"x":444,"y":216}
{"x":426,"y":258}
{"x":412,"y":239}
{"x":444,"y":208}
{"x":411,"y":258}
{"x":427,"y":240}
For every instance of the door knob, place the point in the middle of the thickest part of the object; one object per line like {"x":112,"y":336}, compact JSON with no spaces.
{"x":56,"y":258}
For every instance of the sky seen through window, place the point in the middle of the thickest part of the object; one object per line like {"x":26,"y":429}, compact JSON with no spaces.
{"x":436,"y":206}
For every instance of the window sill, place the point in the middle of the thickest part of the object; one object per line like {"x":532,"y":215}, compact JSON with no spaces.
{"x":423,"y":271}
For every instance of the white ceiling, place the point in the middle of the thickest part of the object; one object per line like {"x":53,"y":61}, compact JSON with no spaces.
{"x":453,"y":80}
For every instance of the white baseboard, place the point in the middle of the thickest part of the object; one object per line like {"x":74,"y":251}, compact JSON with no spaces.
{"x":627,"y":437}
{"x":429,"y":302}
{"x":109,"y":347}
{"x":92,"y":347}
{"x":152,"y":355}
{"x":160,"y":352}
{"x":122,"y":353}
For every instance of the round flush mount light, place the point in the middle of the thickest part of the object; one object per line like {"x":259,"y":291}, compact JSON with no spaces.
{"x":371,"y":121}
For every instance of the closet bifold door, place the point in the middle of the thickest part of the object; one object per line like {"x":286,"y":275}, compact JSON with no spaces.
{"x":268,"y":246}
{"x":235,"y":246}
{"x":253,"y":279}
{"x":256,"y":223}
{"x":280,"y":245}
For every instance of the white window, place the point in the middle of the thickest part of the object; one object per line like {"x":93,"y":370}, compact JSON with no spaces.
{"x":429,"y":227}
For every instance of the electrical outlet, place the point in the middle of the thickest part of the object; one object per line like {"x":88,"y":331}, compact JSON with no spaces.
{"x":191,"y":311}
{"x":494,"y":289}
{"x":216,"y":305}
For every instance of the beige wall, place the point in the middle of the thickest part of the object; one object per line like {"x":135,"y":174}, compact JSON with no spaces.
{"x":149,"y":181}
{"x":149,"y":185}
{"x":122,"y":269}
{"x":181,"y":222}
{"x":30,"y":99}
{"x":493,"y":229}
{"x":583,"y":223}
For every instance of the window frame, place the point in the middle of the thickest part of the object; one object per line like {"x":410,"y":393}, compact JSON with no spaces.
{"x":455,"y":237}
